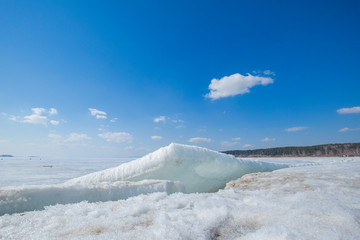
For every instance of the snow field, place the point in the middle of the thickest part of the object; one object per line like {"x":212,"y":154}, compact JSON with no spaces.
{"x":310,"y":202}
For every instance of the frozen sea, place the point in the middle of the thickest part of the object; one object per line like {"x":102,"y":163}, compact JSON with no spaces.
{"x":148,"y":198}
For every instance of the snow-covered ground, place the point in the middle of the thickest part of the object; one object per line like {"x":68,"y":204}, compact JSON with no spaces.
{"x":315,"y":198}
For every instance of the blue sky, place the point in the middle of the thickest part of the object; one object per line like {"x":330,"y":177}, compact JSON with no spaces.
{"x":123,"y":78}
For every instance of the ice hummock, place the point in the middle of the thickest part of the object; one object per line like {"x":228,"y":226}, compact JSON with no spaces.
{"x":199,"y":169}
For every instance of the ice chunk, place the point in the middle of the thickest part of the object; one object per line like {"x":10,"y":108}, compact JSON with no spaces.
{"x":199,"y":169}
{"x":36,"y":197}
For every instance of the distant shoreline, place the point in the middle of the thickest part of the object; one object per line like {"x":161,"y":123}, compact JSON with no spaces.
{"x":324,"y":150}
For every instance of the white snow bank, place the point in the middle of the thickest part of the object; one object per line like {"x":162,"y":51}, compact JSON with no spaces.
{"x":36,"y":197}
{"x":199,"y":169}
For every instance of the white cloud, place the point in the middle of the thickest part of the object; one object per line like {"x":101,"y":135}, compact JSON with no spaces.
{"x":101,"y":117}
{"x":348,"y":129}
{"x":37,"y":117}
{"x":97,"y":113}
{"x":53,"y":111}
{"x":236,"y":139}
{"x":345,"y":129}
{"x":3,"y":140}
{"x":180,"y":126}
{"x":76,"y":137}
{"x":268,"y":72}
{"x":178,"y":121}
{"x":156,"y":137}
{"x":118,"y":137}
{"x":234,"y":85}
{"x":55,"y":138}
{"x":38,"y":111}
{"x":247,"y":146}
{"x":160,"y":119}
{"x":54,"y":122}
{"x":268,"y":139}
{"x":229,"y":144}
{"x":129,"y":148}
{"x":348,"y":110}
{"x":295,"y":129}
{"x":113,"y":120}
{"x":199,"y":140}
{"x":14,"y":118}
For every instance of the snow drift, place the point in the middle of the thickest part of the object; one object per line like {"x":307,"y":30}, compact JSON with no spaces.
{"x":199,"y":169}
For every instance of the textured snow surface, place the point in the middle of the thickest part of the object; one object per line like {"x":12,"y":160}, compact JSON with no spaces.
{"x":316,"y":201}
{"x":199,"y":169}
{"x":36,"y":197}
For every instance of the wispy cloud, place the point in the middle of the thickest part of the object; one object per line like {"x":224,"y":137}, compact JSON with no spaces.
{"x":156,"y":137}
{"x":160,"y":119}
{"x":199,"y":140}
{"x":77,"y":137}
{"x":235,"y":84}
{"x":97,"y":113}
{"x":38,"y":116}
{"x":348,"y":129}
{"x":118,"y":137}
{"x":53,"y":111}
{"x":295,"y":129}
{"x":113,"y":120}
{"x":348,"y":110}
{"x":236,"y":139}
{"x":54,"y":122}
{"x":267,"y":139}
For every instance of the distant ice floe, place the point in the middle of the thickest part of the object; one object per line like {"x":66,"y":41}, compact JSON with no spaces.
{"x":174,"y":168}
{"x":199,"y":169}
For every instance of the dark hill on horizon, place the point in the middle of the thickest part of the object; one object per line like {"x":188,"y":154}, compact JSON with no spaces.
{"x":324,"y":150}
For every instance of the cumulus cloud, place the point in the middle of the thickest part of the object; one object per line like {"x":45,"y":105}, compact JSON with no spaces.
{"x":97,"y":113}
{"x":160,"y":119}
{"x":77,"y":137}
{"x":118,"y":137}
{"x":199,"y":140}
{"x":235,"y":84}
{"x":156,"y":137}
{"x":348,"y":110}
{"x":268,"y":139}
{"x":295,"y":129}
{"x":38,"y":116}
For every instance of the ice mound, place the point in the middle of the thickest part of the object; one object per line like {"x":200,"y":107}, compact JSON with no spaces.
{"x":36,"y":197}
{"x":199,"y":169}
